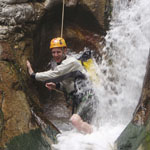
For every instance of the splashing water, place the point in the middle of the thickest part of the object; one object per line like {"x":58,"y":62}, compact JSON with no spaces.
{"x":121,"y":73}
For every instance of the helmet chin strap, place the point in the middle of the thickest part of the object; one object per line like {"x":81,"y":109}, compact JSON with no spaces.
{"x":64,"y":55}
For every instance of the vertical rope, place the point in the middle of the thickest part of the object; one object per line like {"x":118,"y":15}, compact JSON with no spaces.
{"x":62,"y":19}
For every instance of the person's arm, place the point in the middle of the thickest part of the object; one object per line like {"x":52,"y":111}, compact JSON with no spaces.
{"x":30,"y":70}
{"x":67,"y":66}
{"x":50,"y":85}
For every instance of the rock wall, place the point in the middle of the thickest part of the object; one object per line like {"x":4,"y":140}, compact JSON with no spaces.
{"x":24,"y":15}
{"x":24,"y":34}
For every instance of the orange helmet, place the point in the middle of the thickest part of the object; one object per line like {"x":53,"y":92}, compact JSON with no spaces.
{"x":57,"y":42}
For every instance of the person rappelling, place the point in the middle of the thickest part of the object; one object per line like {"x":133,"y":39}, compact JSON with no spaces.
{"x":69,"y":75}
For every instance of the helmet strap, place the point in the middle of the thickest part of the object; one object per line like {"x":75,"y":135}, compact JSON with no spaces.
{"x":64,"y":55}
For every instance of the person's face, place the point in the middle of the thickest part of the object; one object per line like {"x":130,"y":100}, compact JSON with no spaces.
{"x":58,"y":54}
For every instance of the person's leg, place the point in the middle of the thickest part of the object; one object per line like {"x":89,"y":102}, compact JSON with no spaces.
{"x":80,"y":124}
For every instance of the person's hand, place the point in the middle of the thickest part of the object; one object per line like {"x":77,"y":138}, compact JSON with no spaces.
{"x":30,"y":70}
{"x":28,"y":64}
{"x":50,"y":85}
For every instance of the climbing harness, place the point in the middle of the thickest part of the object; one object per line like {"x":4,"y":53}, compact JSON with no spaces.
{"x":62,"y":19}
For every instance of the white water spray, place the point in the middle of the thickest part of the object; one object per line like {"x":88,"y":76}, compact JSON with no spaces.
{"x":121,"y":74}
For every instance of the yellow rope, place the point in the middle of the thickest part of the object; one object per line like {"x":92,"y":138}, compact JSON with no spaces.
{"x":62,"y":19}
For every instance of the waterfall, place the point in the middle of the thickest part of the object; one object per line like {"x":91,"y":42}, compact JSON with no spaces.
{"x":121,"y":74}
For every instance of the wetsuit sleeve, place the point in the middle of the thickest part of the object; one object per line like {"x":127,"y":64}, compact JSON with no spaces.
{"x":65,"y":67}
{"x":32,"y":75}
{"x":57,"y":85}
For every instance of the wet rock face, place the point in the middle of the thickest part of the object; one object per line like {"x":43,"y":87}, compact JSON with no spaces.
{"x":16,"y":13}
{"x":14,"y":107}
{"x":98,"y":9}
{"x":70,"y":3}
{"x":13,"y":1}
{"x":15,"y":17}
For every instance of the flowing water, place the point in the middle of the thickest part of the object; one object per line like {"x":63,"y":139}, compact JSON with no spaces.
{"x":121,"y":72}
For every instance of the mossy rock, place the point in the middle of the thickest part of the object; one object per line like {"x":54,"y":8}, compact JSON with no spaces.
{"x":134,"y":137}
{"x":29,"y":141}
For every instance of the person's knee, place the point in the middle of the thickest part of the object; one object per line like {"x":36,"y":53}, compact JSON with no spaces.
{"x":80,"y":124}
{"x":75,"y":120}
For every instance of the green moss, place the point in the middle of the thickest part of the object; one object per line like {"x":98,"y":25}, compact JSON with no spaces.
{"x":148,"y":137}
{"x":146,"y":142}
{"x":30,"y":141}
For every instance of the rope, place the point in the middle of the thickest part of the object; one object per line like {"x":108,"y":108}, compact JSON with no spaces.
{"x":62,"y":19}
